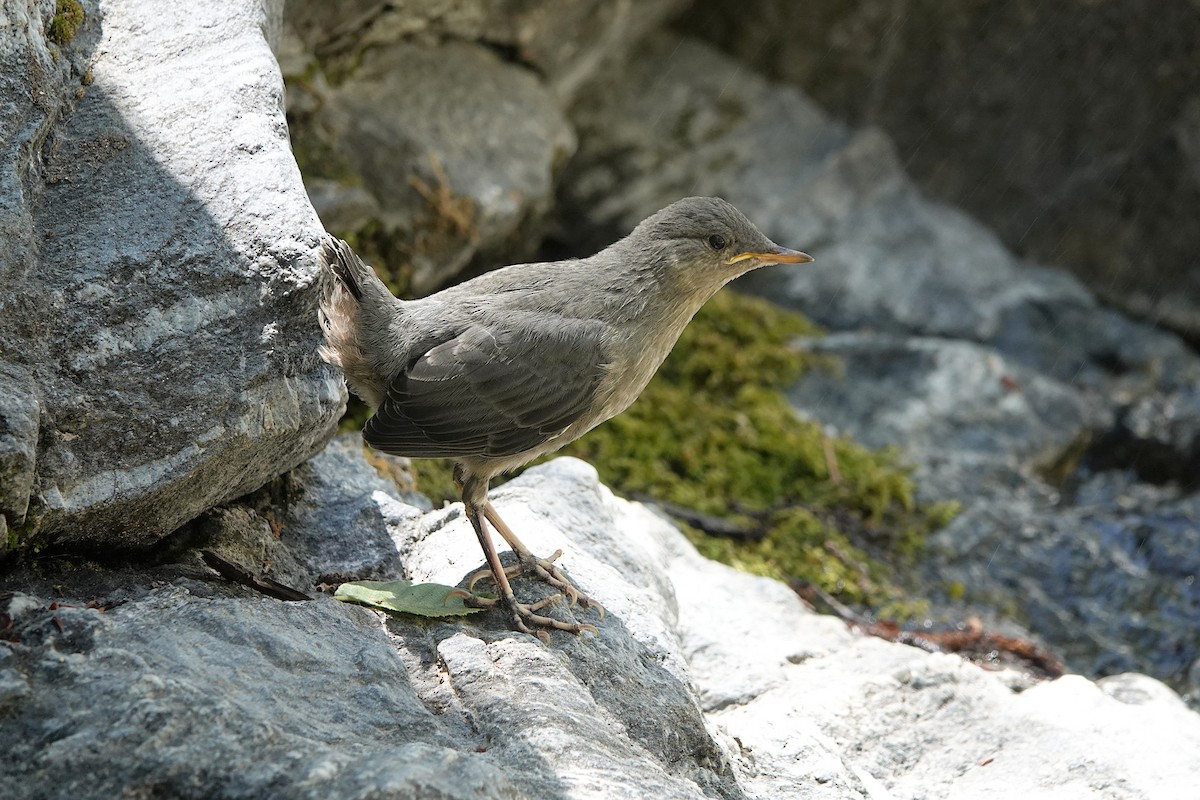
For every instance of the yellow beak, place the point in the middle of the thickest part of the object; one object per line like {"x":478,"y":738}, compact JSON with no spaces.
{"x":777,"y":255}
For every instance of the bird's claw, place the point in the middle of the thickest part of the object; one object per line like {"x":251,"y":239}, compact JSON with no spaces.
{"x":486,"y":572}
{"x":525,"y":615}
{"x":544,"y":569}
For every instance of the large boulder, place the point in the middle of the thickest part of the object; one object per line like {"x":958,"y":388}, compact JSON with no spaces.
{"x":454,"y":148}
{"x":158,"y":333}
{"x":1072,"y":129}
{"x":703,"y":681}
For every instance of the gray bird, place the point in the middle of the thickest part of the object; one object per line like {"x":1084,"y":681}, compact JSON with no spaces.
{"x":520,"y":361}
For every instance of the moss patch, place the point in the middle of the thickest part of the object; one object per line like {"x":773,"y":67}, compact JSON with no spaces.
{"x":68,"y":16}
{"x":713,"y":433}
{"x":388,"y":251}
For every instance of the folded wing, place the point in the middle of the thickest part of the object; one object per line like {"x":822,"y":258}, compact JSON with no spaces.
{"x":499,"y":388}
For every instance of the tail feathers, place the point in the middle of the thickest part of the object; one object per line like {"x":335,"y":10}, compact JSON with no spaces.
{"x":346,"y":266}
{"x":344,"y":301}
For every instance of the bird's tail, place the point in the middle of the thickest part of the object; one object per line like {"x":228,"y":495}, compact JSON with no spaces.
{"x":348,"y":268}
{"x":354,"y":286}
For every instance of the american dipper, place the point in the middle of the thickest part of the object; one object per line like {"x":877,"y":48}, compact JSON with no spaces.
{"x":520,"y":361}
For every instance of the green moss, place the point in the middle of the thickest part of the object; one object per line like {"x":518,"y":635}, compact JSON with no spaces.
{"x":713,"y":432}
{"x":68,"y":16}
{"x":387,"y":251}
{"x":22,"y":537}
{"x":316,"y":156}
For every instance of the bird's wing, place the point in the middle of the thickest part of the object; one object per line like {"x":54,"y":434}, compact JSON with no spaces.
{"x":497,"y":389}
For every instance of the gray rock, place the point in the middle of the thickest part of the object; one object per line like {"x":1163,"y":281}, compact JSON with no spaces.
{"x":566,"y":43}
{"x":27,"y":116}
{"x":704,"y":682}
{"x":461,"y":170}
{"x":1112,"y":582}
{"x":973,"y":422}
{"x":160,"y":292}
{"x":494,"y":129}
{"x":1157,"y":437}
{"x":683,"y":119}
{"x":221,"y":696}
{"x":19,"y":410}
{"x":1076,"y":153}
{"x":908,"y":723}
{"x":432,"y":133}
{"x":293,"y":530}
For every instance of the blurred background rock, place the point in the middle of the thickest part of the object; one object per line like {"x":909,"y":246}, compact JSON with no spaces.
{"x":1072,"y":129}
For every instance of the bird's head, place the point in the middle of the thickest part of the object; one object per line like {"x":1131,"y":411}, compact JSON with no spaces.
{"x":705,"y":240}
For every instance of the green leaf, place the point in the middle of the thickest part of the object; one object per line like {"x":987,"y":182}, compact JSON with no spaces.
{"x":423,"y":599}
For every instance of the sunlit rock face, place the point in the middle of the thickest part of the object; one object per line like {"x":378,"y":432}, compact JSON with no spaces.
{"x":158,"y":332}
{"x":703,"y":681}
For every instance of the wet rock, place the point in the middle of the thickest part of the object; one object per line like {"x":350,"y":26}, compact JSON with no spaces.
{"x":1157,"y":437}
{"x":1112,"y":581}
{"x":159,"y":280}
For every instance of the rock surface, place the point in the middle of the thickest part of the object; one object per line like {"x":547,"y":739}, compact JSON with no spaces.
{"x":704,"y":682}
{"x":158,"y":329}
{"x":980,"y":424}
{"x":1006,"y":384}
{"x":464,"y":167}
{"x":565,"y":43}
{"x":1076,"y":151}
{"x":461,"y":174}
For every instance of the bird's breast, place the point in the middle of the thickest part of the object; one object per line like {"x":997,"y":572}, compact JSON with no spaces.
{"x":638,"y":351}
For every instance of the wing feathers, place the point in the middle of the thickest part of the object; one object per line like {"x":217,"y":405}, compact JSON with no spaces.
{"x":495,"y":389}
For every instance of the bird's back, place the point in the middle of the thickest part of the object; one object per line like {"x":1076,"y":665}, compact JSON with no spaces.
{"x":494,"y":368}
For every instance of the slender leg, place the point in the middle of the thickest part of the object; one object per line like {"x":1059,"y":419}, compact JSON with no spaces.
{"x":541,"y":567}
{"x":521,"y":615}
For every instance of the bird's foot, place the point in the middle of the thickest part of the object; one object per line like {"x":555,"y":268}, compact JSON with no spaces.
{"x":545,"y":570}
{"x":524,"y":617}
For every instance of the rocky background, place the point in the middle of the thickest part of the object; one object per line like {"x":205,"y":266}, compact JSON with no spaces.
{"x":1071,"y":129}
{"x":160,"y":393}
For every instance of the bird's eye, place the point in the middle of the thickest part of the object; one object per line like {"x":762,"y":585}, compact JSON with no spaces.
{"x":716,"y":241}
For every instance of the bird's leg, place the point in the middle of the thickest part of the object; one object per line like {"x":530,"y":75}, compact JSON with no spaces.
{"x":543,"y":568}
{"x":522,"y":616}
